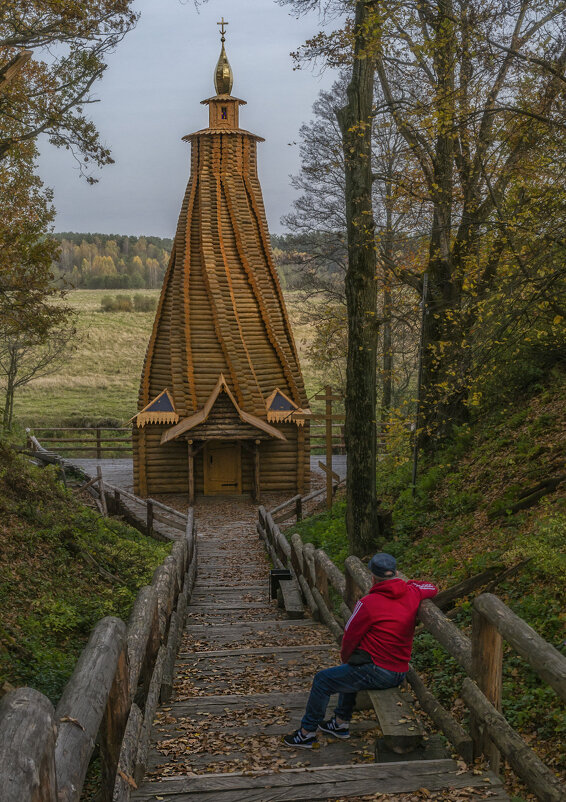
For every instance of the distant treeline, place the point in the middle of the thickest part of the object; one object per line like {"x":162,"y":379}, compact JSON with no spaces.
{"x":112,"y":261}
{"x":116,"y":262}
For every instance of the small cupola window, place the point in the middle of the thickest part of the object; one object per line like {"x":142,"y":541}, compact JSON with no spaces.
{"x":224,"y":112}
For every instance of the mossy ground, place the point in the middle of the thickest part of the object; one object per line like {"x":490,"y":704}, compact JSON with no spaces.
{"x":62,"y":568}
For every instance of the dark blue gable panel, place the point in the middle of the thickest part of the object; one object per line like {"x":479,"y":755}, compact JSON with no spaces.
{"x":162,"y":404}
{"x":281,"y":403}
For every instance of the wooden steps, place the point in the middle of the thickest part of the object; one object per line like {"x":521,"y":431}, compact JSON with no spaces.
{"x":243,"y":674}
{"x":323,"y":782}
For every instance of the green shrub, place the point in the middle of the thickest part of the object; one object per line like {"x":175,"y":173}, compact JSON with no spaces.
{"x":120,"y":303}
{"x":144,"y":303}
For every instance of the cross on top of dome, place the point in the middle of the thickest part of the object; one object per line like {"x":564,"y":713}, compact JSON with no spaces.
{"x":223,"y":76}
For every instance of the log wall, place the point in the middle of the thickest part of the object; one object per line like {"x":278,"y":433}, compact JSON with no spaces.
{"x":282,"y":463}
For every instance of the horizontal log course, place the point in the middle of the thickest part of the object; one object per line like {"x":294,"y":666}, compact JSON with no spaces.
{"x":27,"y":747}
{"x":83,"y":703}
{"x":524,"y":762}
{"x":547,"y":661}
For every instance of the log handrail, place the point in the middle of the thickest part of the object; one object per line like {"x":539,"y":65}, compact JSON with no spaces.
{"x":315,"y":571}
{"x":119,"y":674}
{"x":297,"y":502}
{"x":543,"y":658}
{"x":84,"y":443}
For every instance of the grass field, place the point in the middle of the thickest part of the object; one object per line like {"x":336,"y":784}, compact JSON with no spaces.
{"x":99,"y":382}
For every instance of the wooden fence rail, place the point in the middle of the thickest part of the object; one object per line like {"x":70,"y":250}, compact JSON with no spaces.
{"x":294,"y":507}
{"x":93,"y":440}
{"x":110,"y":699}
{"x":480,"y":657}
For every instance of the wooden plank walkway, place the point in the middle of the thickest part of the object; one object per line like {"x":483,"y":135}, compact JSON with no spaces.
{"x":242,"y":679}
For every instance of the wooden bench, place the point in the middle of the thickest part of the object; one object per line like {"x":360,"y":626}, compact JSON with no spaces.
{"x":402,"y":730}
{"x":291,"y":598}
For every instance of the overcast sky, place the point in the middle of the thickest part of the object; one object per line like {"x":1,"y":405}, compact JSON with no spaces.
{"x":150,"y":97}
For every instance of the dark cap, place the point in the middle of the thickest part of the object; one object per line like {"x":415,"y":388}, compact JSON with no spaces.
{"x":383,"y":565}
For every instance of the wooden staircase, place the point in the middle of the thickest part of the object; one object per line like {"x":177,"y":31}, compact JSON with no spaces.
{"x":242,"y":679}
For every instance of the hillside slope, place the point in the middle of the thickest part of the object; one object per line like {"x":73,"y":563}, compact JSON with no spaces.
{"x":62,"y":568}
{"x":495,"y":496}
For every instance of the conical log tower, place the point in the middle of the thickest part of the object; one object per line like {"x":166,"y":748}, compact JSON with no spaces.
{"x":222,"y":405}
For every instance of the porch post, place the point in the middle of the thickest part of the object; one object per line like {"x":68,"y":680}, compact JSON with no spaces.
{"x":191,"y":473}
{"x":257,"y":484}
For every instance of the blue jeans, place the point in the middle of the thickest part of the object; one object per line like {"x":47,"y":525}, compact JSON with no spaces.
{"x":345,"y":680}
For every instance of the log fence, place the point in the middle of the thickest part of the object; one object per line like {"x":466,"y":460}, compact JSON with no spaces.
{"x":295,"y":506}
{"x":141,"y":513}
{"x":331,"y":595}
{"x":93,"y":441}
{"x":110,"y":700}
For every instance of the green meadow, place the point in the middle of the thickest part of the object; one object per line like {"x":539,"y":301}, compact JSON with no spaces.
{"x":98,"y":384}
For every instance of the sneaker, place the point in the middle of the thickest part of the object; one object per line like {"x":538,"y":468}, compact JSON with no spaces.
{"x":331,"y":727}
{"x":298,"y":739}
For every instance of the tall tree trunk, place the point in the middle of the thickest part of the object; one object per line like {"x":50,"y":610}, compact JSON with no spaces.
{"x":355,"y":121}
{"x":11,"y":376}
{"x":387,"y":258}
{"x":443,"y":296}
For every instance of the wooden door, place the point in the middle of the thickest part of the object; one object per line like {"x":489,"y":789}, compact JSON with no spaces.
{"x":222,"y":469}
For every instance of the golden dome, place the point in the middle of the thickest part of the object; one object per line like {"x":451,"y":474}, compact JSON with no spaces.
{"x":223,"y":75}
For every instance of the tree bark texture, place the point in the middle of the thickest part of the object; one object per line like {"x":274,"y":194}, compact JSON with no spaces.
{"x":355,"y":120}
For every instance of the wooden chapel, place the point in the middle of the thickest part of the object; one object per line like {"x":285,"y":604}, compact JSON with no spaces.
{"x":222,"y":404}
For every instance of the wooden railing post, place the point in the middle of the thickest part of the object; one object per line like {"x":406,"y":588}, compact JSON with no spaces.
{"x":83,"y":704}
{"x":117,"y":501}
{"x":299,"y":508}
{"x":321,"y":583}
{"x":101,"y":491}
{"x":98,"y":443}
{"x":114,"y":724}
{"x":149,"y":517}
{"x":487,"y":669}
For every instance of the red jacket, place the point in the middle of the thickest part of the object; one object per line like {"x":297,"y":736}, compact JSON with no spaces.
{"x":383,"y":622}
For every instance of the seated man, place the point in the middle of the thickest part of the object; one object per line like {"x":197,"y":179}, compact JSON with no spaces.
{"x":375,"y":653}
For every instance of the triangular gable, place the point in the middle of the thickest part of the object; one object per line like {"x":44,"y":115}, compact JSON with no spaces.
{"x":160,"y":410}
{"x":280,"y":409}
{"x":199,"y":417}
